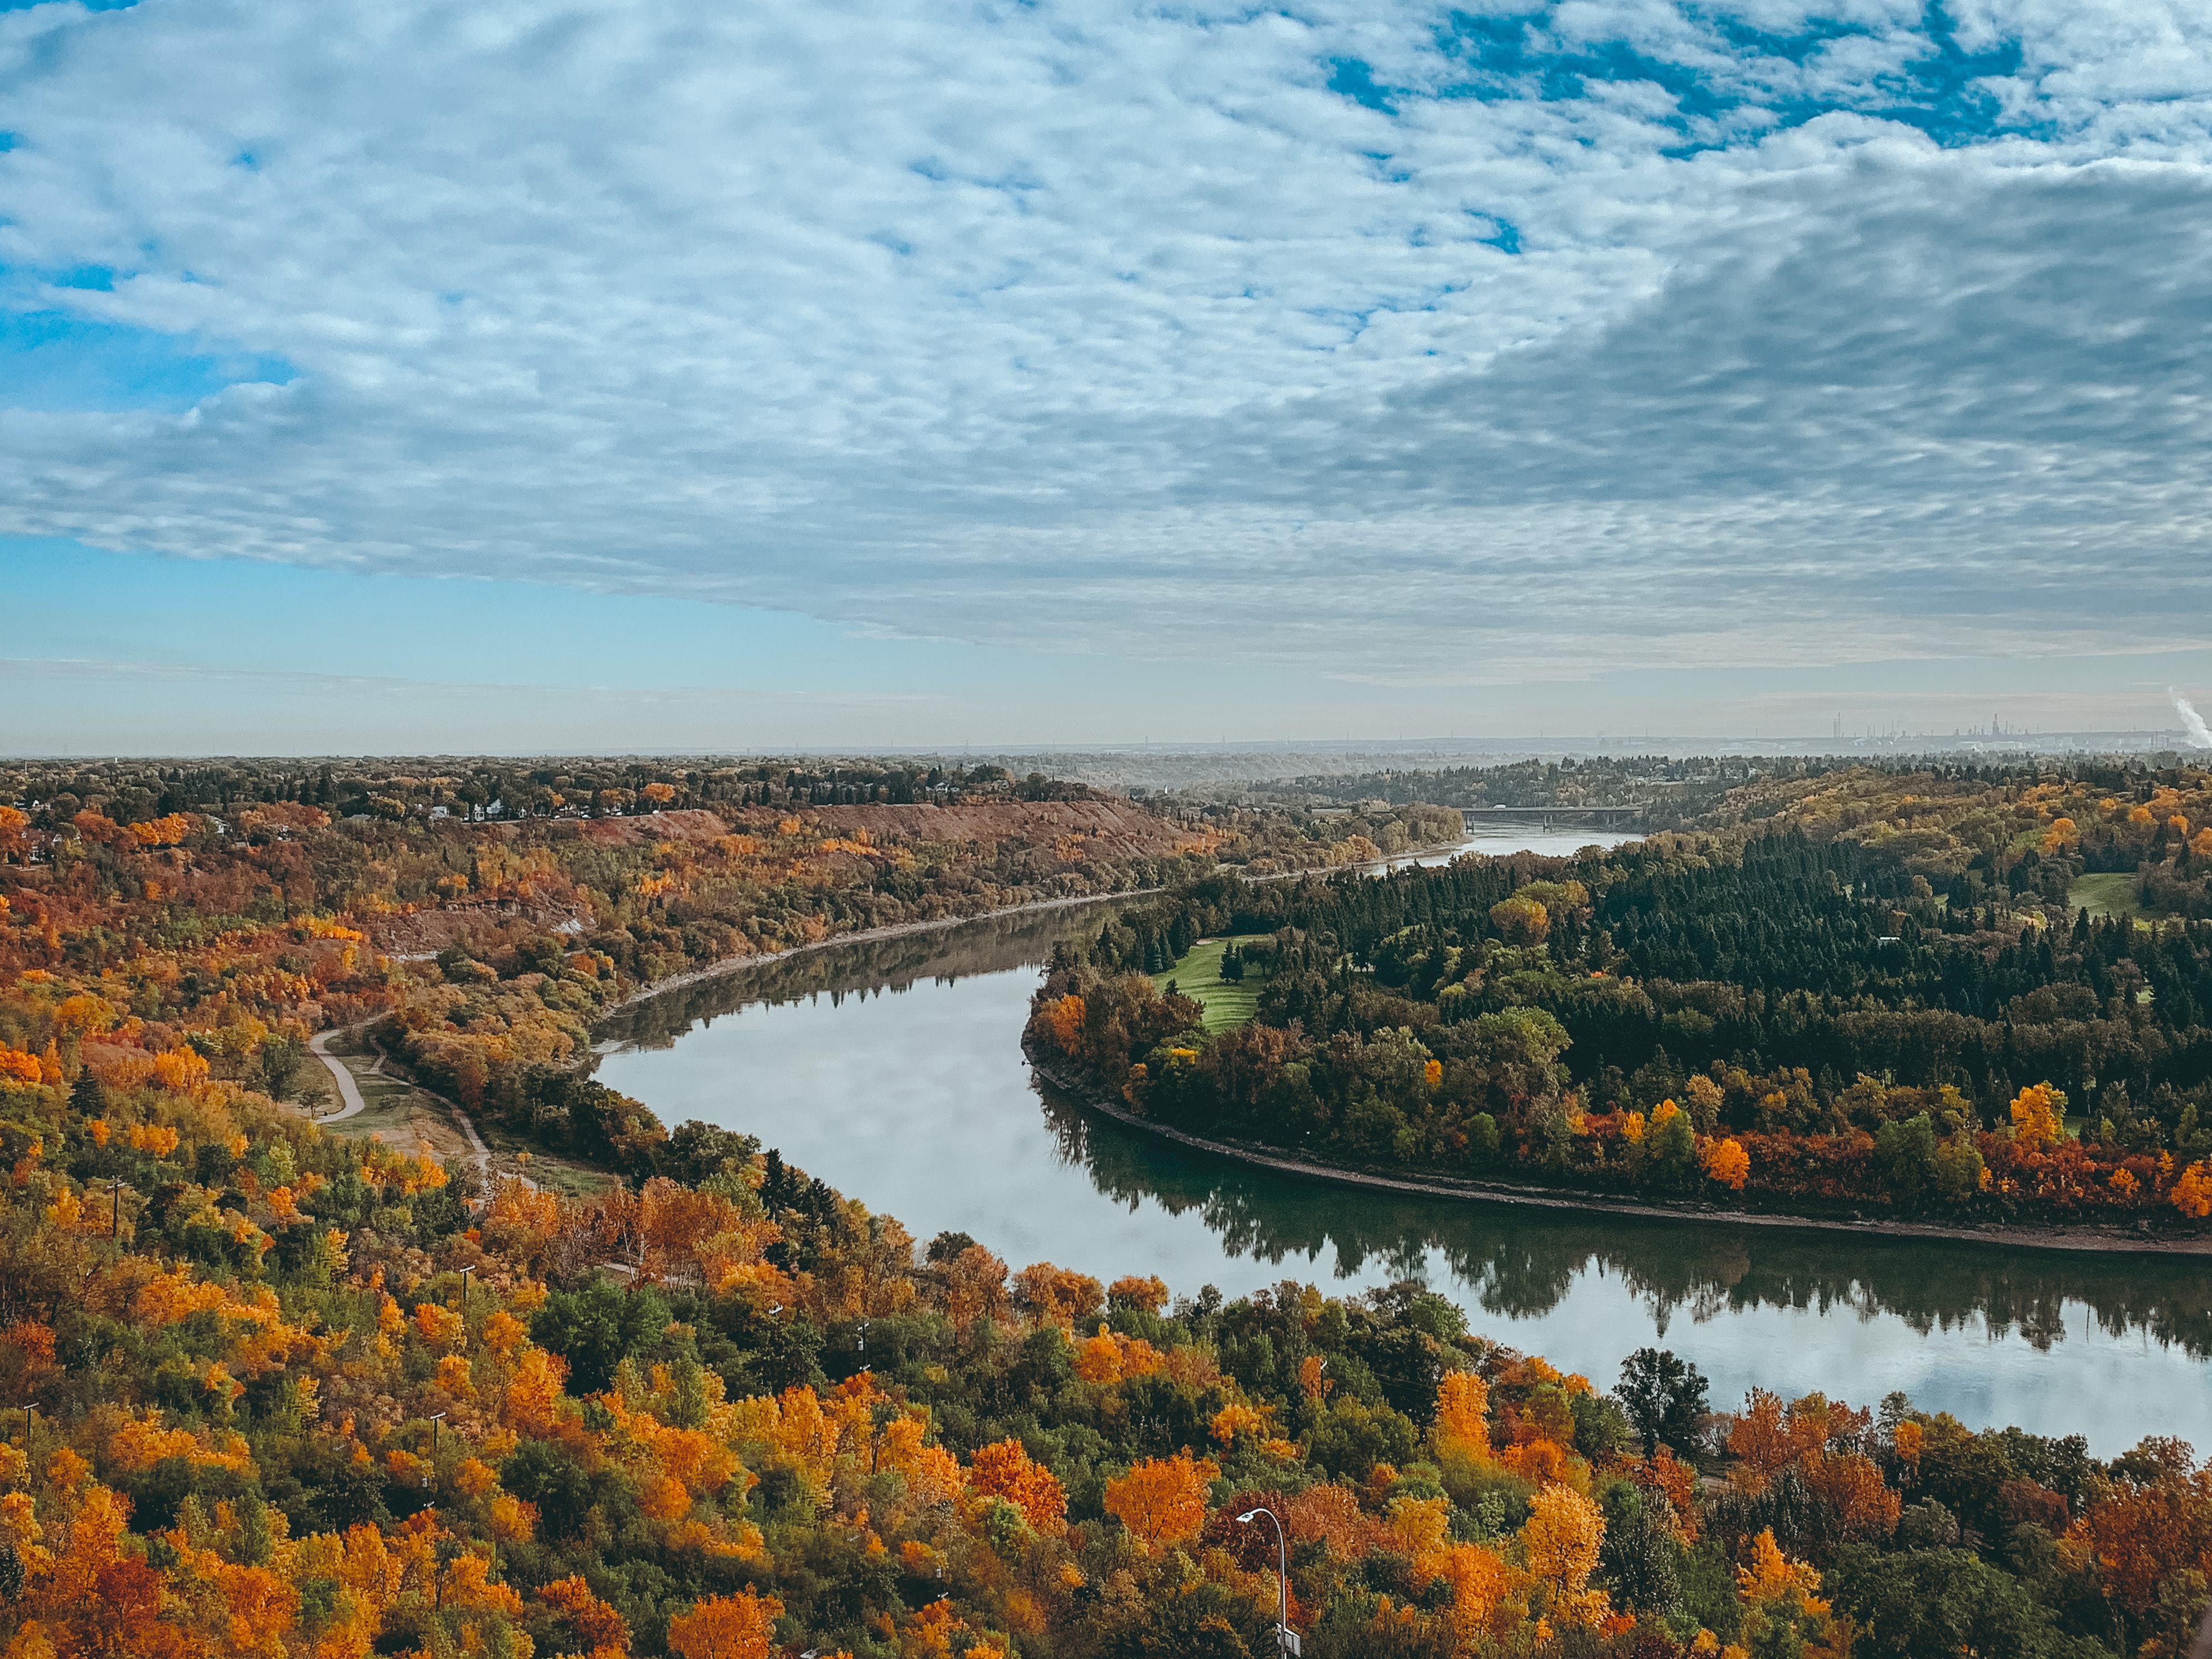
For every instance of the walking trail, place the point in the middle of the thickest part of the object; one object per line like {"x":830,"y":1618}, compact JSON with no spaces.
{"x":350,"y":1092}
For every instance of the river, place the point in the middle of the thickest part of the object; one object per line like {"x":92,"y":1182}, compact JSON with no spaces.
{"x":1500,"y":839}
{"x":893,"y":1071}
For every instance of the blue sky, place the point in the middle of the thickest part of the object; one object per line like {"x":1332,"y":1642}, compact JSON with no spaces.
{"x":876,"y":373}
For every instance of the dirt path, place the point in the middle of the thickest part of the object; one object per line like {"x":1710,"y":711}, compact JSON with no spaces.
{"x":355,"y":1102}
{"x":467,"y":1126}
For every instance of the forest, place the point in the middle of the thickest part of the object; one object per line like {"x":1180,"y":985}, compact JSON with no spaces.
{"x":275,"y":1393}
{"x":219,"y":925}
{"x":1858,"y":990}
{"x":269,"y":1391}
{"x":1673,"y":792}
{"x":498,"y":787}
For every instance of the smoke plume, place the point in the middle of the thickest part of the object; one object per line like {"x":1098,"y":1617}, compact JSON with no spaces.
{"x":2200,"y":736}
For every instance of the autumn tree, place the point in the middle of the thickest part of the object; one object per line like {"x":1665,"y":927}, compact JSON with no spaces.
{"x":1561,"y":1538}
{"x":740,"y":1626}
{"x":1726,"y":1162}
{"x":1007,"y":1470}
{"x":2038,"y":1116}
{"x":1521,"y":919}
{"x":1162,"y":1500}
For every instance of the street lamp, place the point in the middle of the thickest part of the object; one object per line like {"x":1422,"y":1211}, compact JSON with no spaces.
{"x":432,"y":1469}
{"x":1286,"y":1638}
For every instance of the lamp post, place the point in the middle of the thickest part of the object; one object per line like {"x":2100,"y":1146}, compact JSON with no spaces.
{"x":1287,"y":1639}
{"x":431,"y":1471}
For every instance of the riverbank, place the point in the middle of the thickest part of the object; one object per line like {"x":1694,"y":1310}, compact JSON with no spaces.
{"x":2103,"y":1240}
{"x":730,"y":965}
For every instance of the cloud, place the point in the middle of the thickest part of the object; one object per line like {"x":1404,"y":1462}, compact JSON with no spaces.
{"x":1380,"y":340}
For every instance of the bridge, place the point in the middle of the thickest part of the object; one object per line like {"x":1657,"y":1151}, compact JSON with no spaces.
{"x":1555,"y":817}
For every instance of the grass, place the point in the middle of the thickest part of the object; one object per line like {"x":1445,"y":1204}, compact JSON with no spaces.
{"x":2106,"y":893}
{"x":404,"y":1117}
{"x":548,"y":1169}
{"x":1198,"y":974}
{"x":401,"y":1117}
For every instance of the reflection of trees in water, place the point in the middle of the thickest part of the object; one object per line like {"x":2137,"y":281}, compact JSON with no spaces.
{"x":991,"y":945}
{"x":1518,"y":1262}
{"x":1521,"y":1263}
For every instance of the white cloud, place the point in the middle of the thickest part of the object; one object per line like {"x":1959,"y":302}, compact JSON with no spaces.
{"x":1120,"y":328}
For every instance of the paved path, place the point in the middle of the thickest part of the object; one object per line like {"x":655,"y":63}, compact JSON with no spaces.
{"x":349,"y":1090}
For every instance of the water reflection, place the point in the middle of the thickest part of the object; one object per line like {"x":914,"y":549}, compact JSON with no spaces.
{"x":892,"y":1070}
{"x":1523,"y":1263}
{"x":946,"y":956}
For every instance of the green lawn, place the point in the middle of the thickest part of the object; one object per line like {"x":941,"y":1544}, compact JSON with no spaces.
{"x":1198,"y":974}
{"x":2104,"y":893}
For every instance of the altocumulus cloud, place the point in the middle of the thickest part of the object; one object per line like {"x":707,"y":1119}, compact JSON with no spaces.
{"x":1412,"y":343}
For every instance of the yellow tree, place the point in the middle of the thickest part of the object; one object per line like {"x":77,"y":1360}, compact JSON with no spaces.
{"x":1162,"y":1500}
{"x":1462,"y":1425}
{"x":1521,"y":919}
{"x":1783,"y":1607}
{"x":1726,"y":1162}
{"x":1486,"y":1589}
{"x":2191,"y":1193}
{"x":1562,"y":1537}
{"x":2038,"y":1116}
{"x":1056,"y":1295}
{"x":740,"y":1626}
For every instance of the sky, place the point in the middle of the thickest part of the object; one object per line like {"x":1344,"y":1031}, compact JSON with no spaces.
{"x":618,"y":374}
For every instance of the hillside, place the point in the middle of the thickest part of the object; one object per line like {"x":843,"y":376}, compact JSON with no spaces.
{"x":1077,"y":830}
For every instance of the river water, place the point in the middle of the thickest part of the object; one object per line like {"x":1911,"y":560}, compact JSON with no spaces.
{"x":1500,"y":839}
{"x":893,"y":1071}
